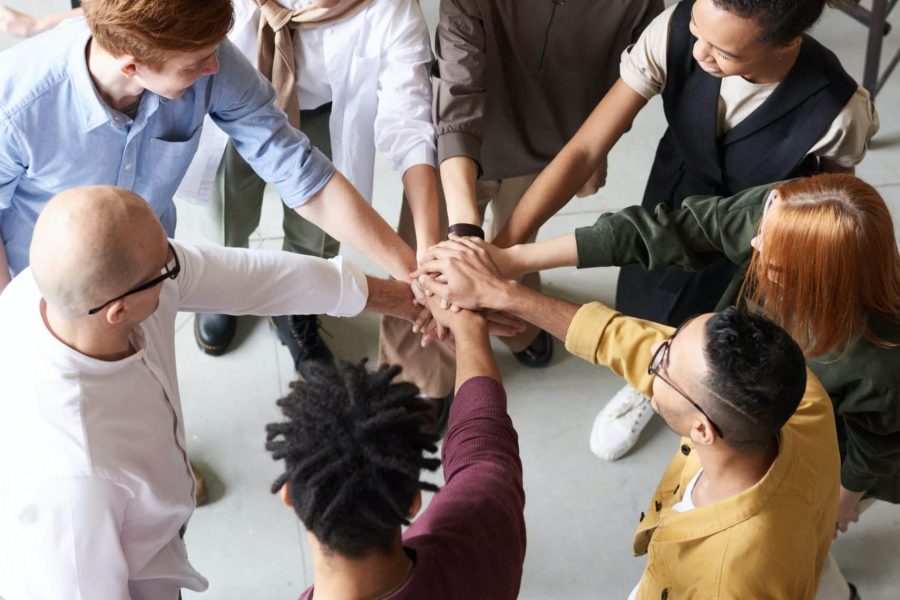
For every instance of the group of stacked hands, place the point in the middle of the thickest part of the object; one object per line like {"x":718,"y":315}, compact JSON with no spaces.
{"x":784,"y":388}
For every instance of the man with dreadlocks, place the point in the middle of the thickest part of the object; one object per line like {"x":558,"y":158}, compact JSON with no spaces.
{"x":354,"y":446}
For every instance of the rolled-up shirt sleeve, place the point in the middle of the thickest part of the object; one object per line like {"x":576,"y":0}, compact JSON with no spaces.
{"x":242,"y":104}
{"x":237,"y":281}
{"x":643,"y":64}
{"x":603,"y":336}
{"x":404,"y":130}
{"x":459,"y":80}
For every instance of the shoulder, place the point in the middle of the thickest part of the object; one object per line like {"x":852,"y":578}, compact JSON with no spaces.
{"x":390,"y":21}
{"x":788,"y":567}
{"x":841,"y":84}
{"x":37,"y":67}
{"x":19,"y":316}
{"x":864,"y":377}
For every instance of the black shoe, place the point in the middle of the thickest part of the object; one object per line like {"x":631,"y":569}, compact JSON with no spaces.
{"x":214,"y":332}
{"x":300,"y":333}
{"x":438,"y":415}
{"x":539,"y":353}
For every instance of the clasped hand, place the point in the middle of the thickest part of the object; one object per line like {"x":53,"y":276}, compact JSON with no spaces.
{"x":457,"y":275}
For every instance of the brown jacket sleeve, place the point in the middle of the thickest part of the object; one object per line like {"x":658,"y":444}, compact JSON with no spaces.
{"x":459,"y":80}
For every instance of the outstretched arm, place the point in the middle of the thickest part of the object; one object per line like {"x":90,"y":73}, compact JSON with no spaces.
{"x":18,"y":24}
{"x":460,"y":87}
{"x":420,"y":183}
{"x":578,"y":161}
{"x":520,"y":259}
{"x":341,"y":211}
{"x":474,"y":357}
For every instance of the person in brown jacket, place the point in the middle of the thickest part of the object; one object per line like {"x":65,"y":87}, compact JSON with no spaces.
{"x":513,"y":81}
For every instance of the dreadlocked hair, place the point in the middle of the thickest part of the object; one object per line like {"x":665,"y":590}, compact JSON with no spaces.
{"x":353,"y":446}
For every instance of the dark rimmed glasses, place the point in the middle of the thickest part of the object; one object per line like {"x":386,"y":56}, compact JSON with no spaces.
{"x":660,"y":361}
{"x":169,"y":271}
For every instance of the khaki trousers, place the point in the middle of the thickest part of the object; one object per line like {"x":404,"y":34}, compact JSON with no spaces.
{"x":236,"y":203}
{"x":433,"y":369}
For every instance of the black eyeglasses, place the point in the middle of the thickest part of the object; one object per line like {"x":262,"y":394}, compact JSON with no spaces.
{"x":656,"y":363}
{"x":169,"y":271}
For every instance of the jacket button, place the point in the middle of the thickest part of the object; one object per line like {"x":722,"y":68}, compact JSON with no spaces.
{"x":664,"y":595}
{"x":658,"y":506}
{"x":642,"y":518}
{"x":685,"y":449}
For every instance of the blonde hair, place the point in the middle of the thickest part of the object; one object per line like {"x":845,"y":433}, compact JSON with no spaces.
{"x":827,"y":260}
{"x":151,"y":29}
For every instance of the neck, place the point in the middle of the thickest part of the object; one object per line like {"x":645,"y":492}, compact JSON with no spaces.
{"x":88,"y":338}
{"x":779,"y":68}
{"x":116,"y":90}
{"x":727,"y":473}
{"x":374,"y":576}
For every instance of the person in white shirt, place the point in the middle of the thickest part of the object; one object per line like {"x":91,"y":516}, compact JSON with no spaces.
{"x":360,"y":81}
{"x":97,"y":490}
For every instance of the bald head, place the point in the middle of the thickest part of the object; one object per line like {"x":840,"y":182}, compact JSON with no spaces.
{"x":91,"y":244}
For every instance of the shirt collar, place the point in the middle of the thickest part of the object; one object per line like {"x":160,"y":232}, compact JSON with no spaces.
{"x":716,"y":517}
{"x":92,"y":110}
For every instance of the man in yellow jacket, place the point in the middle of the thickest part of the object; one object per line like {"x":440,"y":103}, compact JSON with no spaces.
{"x":746,"y":508}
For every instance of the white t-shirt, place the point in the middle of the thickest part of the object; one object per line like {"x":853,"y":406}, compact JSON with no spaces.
{"x":95,"y":478}
{"x":643,"y":69}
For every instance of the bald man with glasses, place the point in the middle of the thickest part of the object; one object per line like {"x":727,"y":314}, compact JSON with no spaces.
{"x":97,"y":489}
{"x":746,"y":508}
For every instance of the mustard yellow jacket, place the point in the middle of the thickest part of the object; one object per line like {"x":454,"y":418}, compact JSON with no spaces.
{"x":768,"y":542}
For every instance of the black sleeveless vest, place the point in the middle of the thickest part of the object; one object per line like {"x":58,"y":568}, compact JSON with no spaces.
{"x":771,"y":144}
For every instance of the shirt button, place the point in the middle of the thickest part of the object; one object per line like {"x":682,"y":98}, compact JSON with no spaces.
{"x":685,"y":449}
{"x":664,"y":595}
{"x":127,"y":167}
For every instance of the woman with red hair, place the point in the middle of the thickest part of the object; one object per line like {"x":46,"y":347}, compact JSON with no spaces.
{"x":817,"y":255}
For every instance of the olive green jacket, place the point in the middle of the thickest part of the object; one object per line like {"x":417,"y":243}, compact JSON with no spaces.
{"x":863,"y":379}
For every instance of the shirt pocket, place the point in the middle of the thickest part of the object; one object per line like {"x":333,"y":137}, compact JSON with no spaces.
{"x":171,"y":155}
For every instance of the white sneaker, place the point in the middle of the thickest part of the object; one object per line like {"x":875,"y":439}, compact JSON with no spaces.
{"x":618,"y":426}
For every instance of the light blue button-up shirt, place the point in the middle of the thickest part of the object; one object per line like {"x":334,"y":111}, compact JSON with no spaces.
{"x":56,"y":133}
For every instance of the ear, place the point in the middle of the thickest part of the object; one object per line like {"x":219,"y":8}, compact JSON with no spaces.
{"x":702,"y":433}
{"x":416,"y":505}
{"x":127,"y":65}
{"x":116,"y":312}
{"x":793,"y":43}
{"x":285,"y":493}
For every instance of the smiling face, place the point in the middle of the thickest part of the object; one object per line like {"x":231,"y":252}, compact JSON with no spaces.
{"x":730,"y":45}
{"x":179,"y":71}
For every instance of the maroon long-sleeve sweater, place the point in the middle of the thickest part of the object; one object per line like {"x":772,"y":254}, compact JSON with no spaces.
{"x":470,"y":541}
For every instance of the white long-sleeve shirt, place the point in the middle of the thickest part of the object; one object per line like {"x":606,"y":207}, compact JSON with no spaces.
{"x":94,"y":477}
{"x":373,"y":66}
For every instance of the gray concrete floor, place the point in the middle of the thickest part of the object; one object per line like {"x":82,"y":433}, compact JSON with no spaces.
{"x":581,"y":512}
